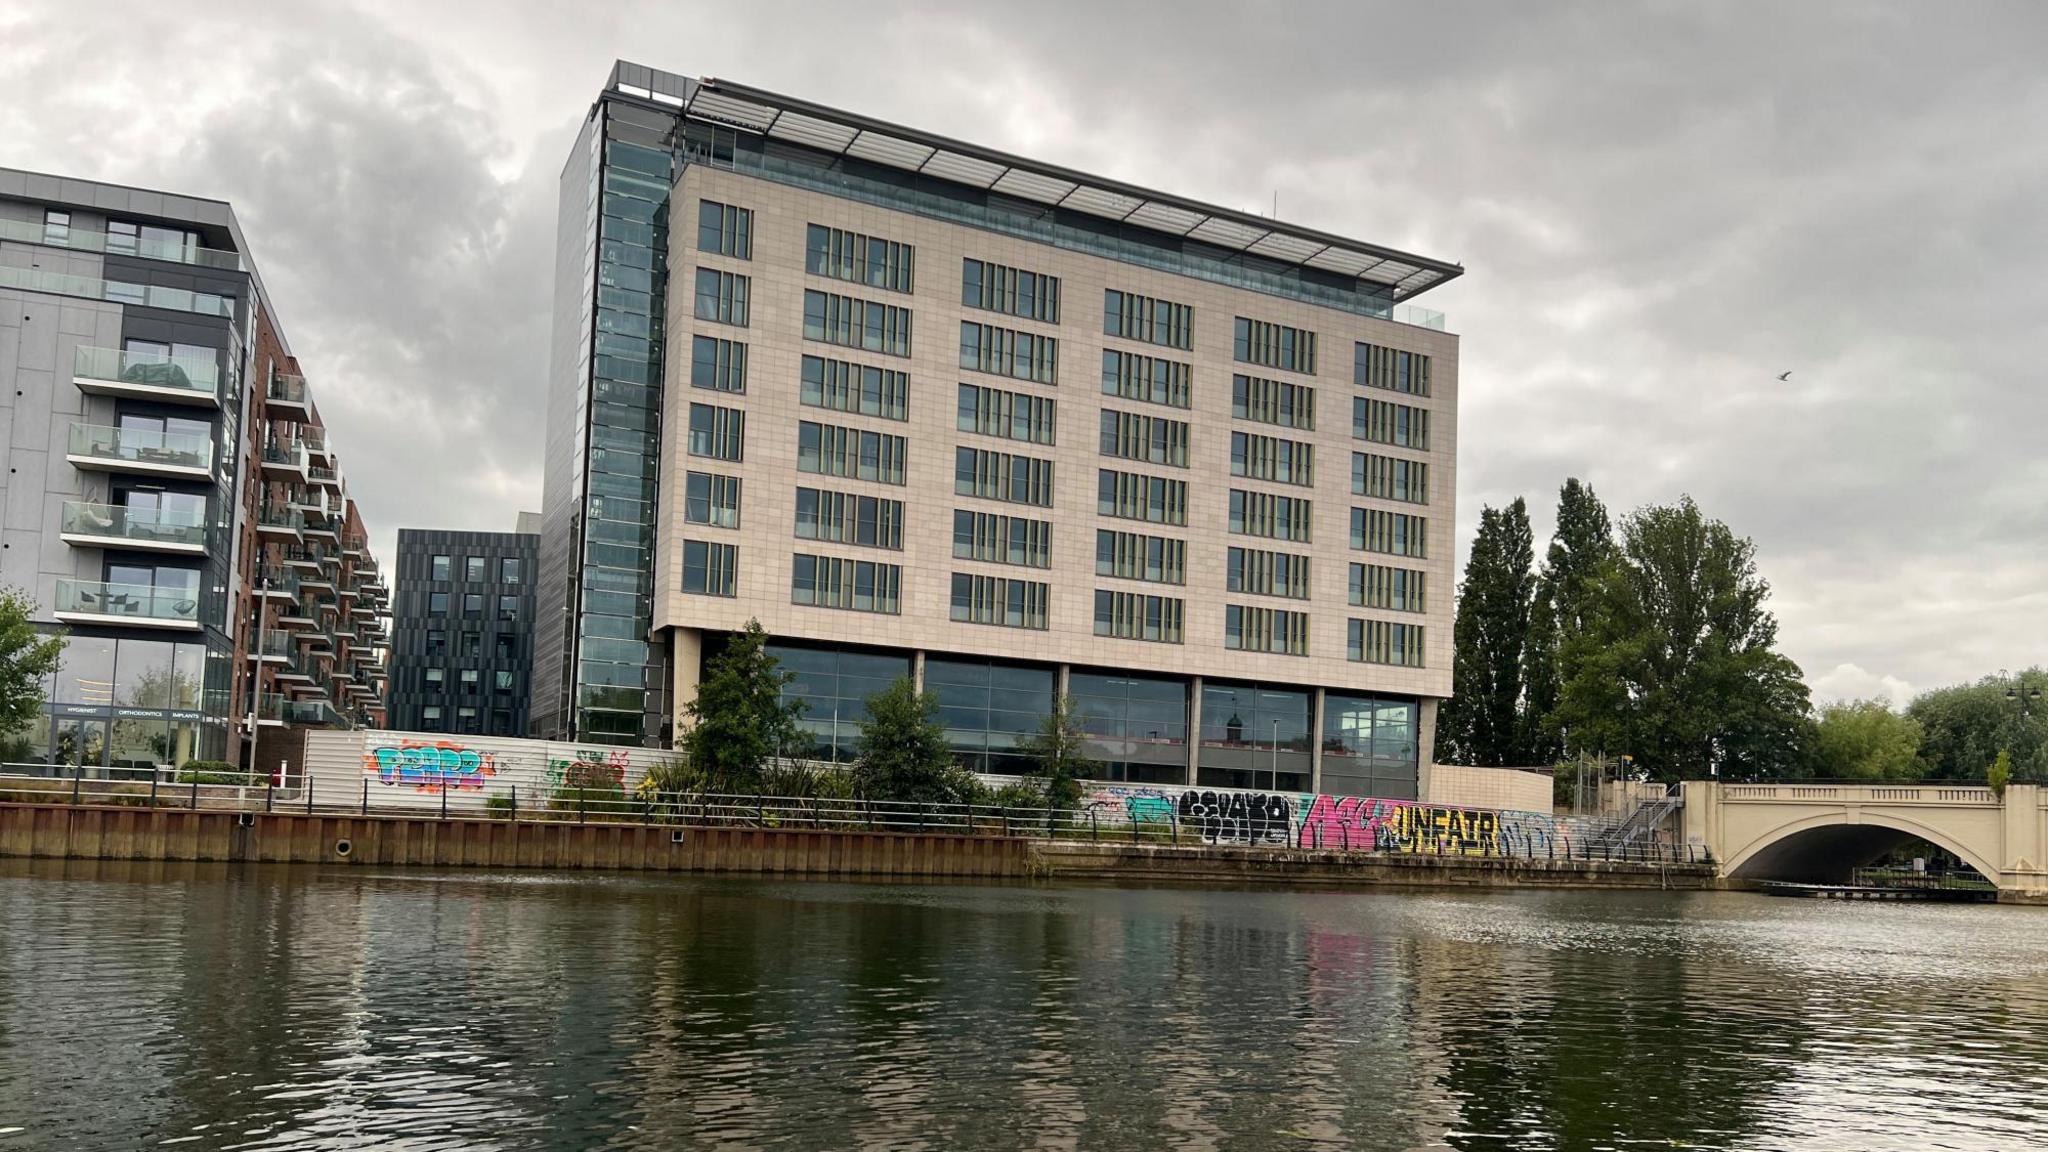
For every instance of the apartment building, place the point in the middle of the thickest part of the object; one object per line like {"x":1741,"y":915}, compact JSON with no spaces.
{"x":924,"y":408}
{"x":171,"y":498}
{"x":462,"y":631}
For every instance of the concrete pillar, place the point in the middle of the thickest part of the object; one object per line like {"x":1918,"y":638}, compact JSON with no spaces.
{"x":1315,"y":744}
{"x":1194,"y":727}
{"x":686,"y":660}
{"x":917,"y":670}
{"x":1425,"y":745}
{"x":1060,"y":680}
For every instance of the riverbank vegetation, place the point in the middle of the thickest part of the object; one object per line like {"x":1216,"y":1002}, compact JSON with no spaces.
{"x":1651,"y":641}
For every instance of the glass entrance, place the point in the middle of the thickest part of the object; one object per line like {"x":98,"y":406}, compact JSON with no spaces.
{"x":81,"y":742}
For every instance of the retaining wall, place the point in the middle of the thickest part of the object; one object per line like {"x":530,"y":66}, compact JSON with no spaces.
{"x":1218,"y":864}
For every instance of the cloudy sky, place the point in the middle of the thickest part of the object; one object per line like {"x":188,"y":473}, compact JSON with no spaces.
{"x":1660,"y":208}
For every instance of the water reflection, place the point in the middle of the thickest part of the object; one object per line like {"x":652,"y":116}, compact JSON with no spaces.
{"x":305,"y":1009}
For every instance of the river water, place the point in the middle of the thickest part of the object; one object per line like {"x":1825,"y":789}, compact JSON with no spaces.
{"x":274,"y":1008}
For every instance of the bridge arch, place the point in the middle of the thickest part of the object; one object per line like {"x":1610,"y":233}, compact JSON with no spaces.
{"x":1826,"y":849}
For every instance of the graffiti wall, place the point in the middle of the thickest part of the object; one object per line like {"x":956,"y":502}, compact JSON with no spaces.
{"x":419,"y":769}
{"x":1344,"y":823}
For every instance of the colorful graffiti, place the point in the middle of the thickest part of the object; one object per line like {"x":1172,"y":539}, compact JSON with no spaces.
{"x":589,"y":768}
{"x":1340,"y":823}
{"x":431,"y":767}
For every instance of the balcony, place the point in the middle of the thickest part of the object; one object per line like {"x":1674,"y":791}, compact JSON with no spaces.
{"x":284,"y":458}
{"x":80,"y":240}
{"x":318,"y":713}
{"x":306,"y":558}
{"x":97,"y":448}
{"x":277,"y":648}
{"x":278,"y":584}
{"x":355,"y":547}
{"x":112,"y":526}
{"x":282,"y":520}
{"x":294,"y":670}
{"x":324,"y":478}
{"x":295,"y":614}
{"x":316,"y":445}
{"x":134,"y":605}
{"x":287,"y":398}
{"x":146,"y":376}
{"x":272,"y":708}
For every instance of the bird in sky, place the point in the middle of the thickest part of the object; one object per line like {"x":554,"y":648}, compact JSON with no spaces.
{"x":1783,"y":376}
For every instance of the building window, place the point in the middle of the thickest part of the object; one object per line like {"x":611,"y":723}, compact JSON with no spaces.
{"x":711,"y":498}
{"x":722,"y":296}
{"x":1271,"y":458}
{"x":1134,"y":496}
{"x":849,"y":518}
{"x":465,"y":720}
{"x":718,"y":365}
{"x":508,"y":607}
{"x":430,"y":714}
{"x":1264,"y":573}
{"x":1136,"y":616}
{"x":1379,"y":586}
{"x":1265,"y":630}
{"x":724,"y":229}
{"x":854,"y":585}
{"x":1010,"y":415}
{"x":1135,"y":317}
{"x":1390,"y":368}
{"x":56,"y":227}
{"x":708,"y":569}
{"x":1147,"y":378}
{"x":1389,"y":478}
{"x":1265,"y":514}
{"x":1146,"y":439}
{"x":470,"y":677}
{"x":860,"y":259}
{"x":856,"y":323}
{"x":1273,"y":402}
{"x":999,"y":288}
{"x":469,"y":643}
{"x":1276,"y":346}
{"x":1000,"y":539}
{"x":502,"y":680}
{"x":1394,"y":533}
{"x":1000,"y":600}
{"x":507,"y":646}
{"x":437,"y":642}
{"x":508,"y":570}
{"x":1007,"y":352}
{"x":717,"y":433}
{"x":1134,"y":556}
{"x":1002,"y":476}
{"x":473,"y":568}
{"x":987,"y":707}
{"x":833,"y":450}
{"x":501,"y":722}
{"x":436,"y":675}
{"x":860,"y":388}
{"x":1384,"y":642}
{"x":1137,"y":726}
{"x":437,"y":603}
{"x":472,"y":603}
{"x":441,"y":568}
{"x":1384,"y":422}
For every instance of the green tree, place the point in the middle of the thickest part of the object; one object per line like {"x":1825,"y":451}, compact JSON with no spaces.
{"x":1580,"y":550}
{"x":2000,"y":773}
{"x":1963,"y":726}
{"x":1865,"y":740}
{"x":903,"y":751}
{"x":1486,"y":722}
{"x":27,"y":657}
{"x":1059,"y":757}
{"x":739,"y":719}
{"x":1677,"y":663}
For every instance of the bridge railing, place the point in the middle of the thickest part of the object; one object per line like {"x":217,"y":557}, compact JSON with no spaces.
{"x":1863,"y":791}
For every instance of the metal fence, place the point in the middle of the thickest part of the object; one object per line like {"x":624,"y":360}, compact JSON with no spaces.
{"x":258,"y":793}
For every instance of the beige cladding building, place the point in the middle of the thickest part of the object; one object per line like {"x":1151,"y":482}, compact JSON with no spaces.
{"x":1010,"y":458}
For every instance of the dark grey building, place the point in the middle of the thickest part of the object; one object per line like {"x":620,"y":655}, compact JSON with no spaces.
{"x":462,"y":635}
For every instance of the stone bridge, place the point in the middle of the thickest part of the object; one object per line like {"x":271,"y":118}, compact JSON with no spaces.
{"x":1819,"y":833}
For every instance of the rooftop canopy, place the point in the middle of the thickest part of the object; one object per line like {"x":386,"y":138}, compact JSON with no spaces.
{"x":846,"y":134}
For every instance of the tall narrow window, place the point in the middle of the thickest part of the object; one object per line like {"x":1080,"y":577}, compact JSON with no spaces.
{"x":725,"y":229}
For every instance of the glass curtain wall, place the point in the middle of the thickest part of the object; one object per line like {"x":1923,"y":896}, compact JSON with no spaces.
{"x":834,"y":685}
{"x":1369,"y":746}
{"x":1256,"y":736}
{"x":1137,"y":726}
{"x":989,"y":708}
{"x":620,"y":680}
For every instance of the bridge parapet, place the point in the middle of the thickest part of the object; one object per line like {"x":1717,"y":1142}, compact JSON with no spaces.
{"x":1943,"y":794}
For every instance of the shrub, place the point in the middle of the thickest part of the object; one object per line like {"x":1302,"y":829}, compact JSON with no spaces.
{"x":215,"y":772}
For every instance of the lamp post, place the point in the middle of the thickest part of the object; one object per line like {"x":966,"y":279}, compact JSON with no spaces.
{"x":1276,"y":756}
{"x":256,"y":676}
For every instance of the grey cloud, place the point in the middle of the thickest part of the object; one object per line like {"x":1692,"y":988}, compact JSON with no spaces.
{"x":1660,"y":206}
